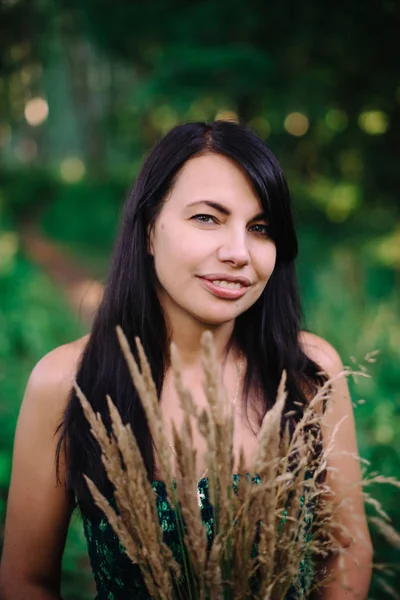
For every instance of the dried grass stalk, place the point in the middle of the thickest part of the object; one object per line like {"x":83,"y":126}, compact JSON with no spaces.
{"x":137,"y":522}
{"x":265,"y":532}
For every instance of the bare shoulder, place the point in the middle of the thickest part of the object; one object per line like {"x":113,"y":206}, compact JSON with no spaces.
{"x":51,"y":380}
{"x":321,"y":352}
{"x":33,"y":547}
{"x":65,"y":357}
{"x":58,"y":367}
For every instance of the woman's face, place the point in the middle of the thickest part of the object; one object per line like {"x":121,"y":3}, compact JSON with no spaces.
{"x":192,"y":240}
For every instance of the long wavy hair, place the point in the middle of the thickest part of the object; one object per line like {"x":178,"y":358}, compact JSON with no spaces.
{"x":268,"y":332}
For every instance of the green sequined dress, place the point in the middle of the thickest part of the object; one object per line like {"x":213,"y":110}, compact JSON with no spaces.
{"x":118,"y":579}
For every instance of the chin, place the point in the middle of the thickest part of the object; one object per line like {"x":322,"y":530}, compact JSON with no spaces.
{"x":221,"y":318}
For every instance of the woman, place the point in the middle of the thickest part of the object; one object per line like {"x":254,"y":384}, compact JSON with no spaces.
{"x":207,"y":242}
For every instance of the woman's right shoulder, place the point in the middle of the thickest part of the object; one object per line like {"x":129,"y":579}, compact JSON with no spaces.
{"x":39,"y":505}
{"x":53,"y":375}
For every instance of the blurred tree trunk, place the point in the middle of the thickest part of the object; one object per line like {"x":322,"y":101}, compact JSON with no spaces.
{"x":84,"y":73}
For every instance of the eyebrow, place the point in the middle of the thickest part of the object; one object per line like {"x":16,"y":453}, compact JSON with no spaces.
{"x":224,"y":210}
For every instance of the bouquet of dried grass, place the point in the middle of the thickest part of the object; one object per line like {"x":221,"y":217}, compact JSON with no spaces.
{"x":267,"y":528}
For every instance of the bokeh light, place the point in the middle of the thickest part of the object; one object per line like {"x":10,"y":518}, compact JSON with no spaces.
{"x":72,"y":169}
{"x":261,"y":125}
{"x":36,"y":111}
{"x":296,"y":124}
{"x":386,"y":249}
{"x":164,"y":118}
{"x":202,"y":109}
{"x":8,"y":250}
{"x":344,"y":200}
{"x":384,"y":434}
{"x":374,"y":122}
{"x":336,"y":119}
{"x":227,"y":115}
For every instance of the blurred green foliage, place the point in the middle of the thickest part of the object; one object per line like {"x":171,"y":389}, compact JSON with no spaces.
{"x":348,"y":299}
{"x":87,"y":87}
{"x":34,"y":319}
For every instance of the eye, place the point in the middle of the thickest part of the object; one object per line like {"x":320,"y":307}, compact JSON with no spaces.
{"x":262,"y":229}
{"x":204,"y":218}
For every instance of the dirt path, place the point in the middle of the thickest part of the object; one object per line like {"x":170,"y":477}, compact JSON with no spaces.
{"x":83,"y":293}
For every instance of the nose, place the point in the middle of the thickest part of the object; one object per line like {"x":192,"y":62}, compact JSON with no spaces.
{"x":234,"y":249}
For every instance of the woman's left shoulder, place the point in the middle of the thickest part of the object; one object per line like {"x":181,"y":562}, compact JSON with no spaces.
{"x":321,"y":352}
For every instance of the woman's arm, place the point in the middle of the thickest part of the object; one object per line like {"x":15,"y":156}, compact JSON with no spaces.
{"x":38,"y":510}
{"x":343,"y":475}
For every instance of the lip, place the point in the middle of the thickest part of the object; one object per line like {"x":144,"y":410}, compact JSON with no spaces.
{"x":225,"y":277}
{"x":225,"y":293}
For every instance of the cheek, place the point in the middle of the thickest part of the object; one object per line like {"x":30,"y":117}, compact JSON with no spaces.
{"x":264,"y":262}
{"x":165,"y":242}
{"x":174,"y":254}
{"x":179,"y":245}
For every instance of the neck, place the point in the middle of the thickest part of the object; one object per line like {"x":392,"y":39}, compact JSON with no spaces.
{"x":186,"y":335}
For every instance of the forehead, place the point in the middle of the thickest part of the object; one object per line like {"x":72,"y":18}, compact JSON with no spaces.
{"x":214,"y":177}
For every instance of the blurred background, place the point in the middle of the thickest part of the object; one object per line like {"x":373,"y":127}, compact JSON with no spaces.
{"x":88,"y":86}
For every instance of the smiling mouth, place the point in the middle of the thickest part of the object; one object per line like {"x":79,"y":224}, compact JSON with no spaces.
{"x":228,"y":290}
{"x":230,"y":285}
